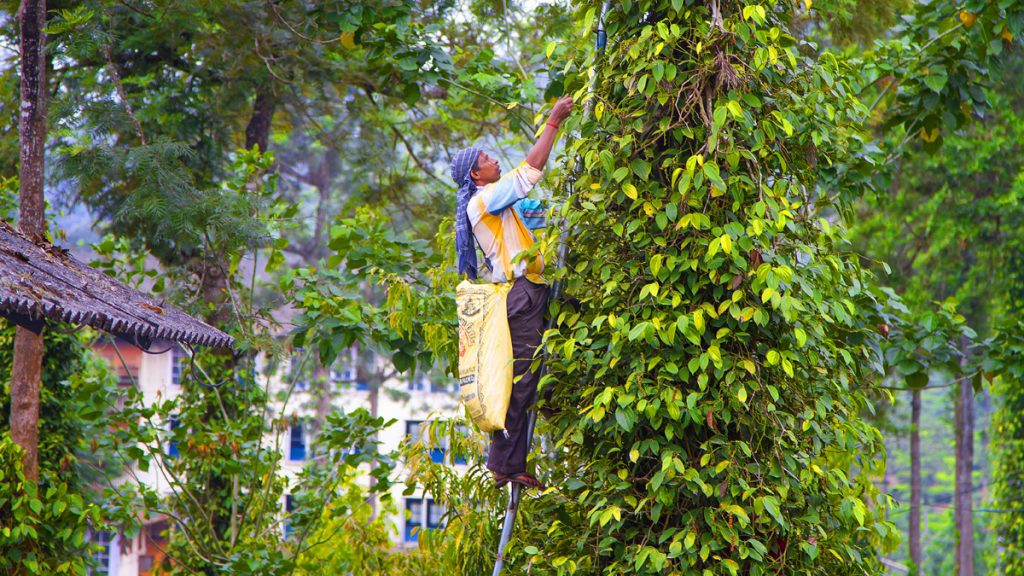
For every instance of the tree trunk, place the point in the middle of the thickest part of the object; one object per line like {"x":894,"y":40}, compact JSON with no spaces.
{"x":212,"y":271}
{"x":321,"y":179}
{"x":367,"y":372}
{"x":324,"y":391}
{"x":26,"y":377}
{"x":257,"y":132}
{"x":915,"y":483}
{"x":26,"y":371}
{"x":964,"y":468}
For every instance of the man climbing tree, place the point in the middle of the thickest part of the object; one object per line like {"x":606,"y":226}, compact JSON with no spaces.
{"x":492,"y":209}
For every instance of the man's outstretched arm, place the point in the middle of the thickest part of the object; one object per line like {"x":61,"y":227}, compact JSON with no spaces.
{"x":538,"y":155}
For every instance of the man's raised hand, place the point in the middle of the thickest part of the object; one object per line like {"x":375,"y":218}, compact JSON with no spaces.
{"x":538,"y":155}
{"x":561,"y":110}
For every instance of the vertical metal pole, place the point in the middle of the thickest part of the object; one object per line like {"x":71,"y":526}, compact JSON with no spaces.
{"x":553,"y":294}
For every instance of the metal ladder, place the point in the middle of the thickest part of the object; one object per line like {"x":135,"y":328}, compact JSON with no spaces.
{"x":554,"y":293}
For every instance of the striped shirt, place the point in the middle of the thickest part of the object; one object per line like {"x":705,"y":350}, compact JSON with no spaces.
{"x":499,"y":228}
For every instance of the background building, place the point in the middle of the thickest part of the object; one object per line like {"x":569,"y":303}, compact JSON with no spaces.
{"x":411,"y":402}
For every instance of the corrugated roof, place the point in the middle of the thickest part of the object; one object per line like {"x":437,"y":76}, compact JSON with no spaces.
{"x":40,"y":281}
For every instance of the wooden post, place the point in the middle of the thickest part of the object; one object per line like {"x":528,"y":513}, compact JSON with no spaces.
{"x":26,"y":372}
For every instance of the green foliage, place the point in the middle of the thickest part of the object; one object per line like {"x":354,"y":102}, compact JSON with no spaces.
{"x":948,"y":228}
{"x":932,"y":73}
{"x":853,"y":21}
{"x":926,"y":343}
{"x":473,"y":508}
{"x":356,"y":538}
{"x":226,"y":483}
{"x":712,"y":382}
{"x":414,"y":321}
{"x":72,"y":397}
{"x":43,"y":528}
{"x":8,"y":198}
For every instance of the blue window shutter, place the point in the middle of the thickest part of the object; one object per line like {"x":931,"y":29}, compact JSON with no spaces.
{"x":414,"y":522}
{"x":172,"y":445}
{"x":289,"y":506}
{"x":298,"y":443}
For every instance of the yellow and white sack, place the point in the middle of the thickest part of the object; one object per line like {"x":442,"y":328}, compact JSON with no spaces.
{"x":485,"y":352}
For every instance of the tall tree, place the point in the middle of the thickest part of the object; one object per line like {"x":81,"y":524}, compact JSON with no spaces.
{"x":709,"y":385}
{"x":26,"y":375}
{"x":914,"y":535}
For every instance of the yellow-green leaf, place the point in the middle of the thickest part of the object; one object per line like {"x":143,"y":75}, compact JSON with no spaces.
{"x":348,"y":40}
{"x":715,"y":353}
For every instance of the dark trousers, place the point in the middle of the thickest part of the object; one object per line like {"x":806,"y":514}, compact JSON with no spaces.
{"x":527,"y":303}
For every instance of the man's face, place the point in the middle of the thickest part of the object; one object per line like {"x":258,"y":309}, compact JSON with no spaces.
{"x":487,"y":170}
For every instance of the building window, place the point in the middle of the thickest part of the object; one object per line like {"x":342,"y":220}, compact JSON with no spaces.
{"x":177,"y":356}
{"x":421,"y":514}
{"x":101,"y":553}
{"x":419,"y":383}
{"x":297,"y":450}
{"x":414,"y":518}
{"x":124,"y":379}
{"x":342,"y":376}
{"x":174,"y":422}
{"x":414,"y":429}
{"x":435,"y":514}
{"x":345,"y":377}
{"x":344,"y":373}
{"x":289,"y":507}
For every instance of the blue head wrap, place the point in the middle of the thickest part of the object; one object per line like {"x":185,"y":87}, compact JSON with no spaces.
{"x":462,"y":164}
